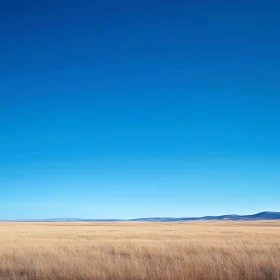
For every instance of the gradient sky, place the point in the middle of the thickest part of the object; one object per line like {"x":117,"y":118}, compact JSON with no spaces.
{"x":123,"y":109}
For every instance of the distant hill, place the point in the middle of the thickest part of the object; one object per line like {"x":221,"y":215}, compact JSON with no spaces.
{"x":259,"y":216}
{"x":255,"y":217}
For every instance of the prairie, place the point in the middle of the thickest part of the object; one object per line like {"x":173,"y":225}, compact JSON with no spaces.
{"x":103,"y":251}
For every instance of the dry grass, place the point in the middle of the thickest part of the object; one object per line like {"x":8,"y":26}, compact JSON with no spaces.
{"x":191,"y":251}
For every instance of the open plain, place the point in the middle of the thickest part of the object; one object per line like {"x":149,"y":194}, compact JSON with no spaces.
{"x":191,"y":251}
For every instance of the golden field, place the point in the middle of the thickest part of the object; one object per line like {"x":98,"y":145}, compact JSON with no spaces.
{"x":191,"y":251}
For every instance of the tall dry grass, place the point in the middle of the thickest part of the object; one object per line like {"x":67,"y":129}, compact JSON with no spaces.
{"x":191,"y":251}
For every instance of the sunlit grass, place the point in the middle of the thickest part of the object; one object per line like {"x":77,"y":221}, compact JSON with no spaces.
{"x":201,"y":250}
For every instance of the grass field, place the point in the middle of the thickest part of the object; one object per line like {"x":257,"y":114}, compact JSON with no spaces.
{"x":201,"y":250}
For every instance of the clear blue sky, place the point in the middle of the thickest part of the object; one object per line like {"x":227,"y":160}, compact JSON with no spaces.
{"x":122,"y":109}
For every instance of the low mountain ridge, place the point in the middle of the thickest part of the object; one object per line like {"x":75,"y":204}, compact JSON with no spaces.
{"x":259,"y":216}
{"x":267,"y":215}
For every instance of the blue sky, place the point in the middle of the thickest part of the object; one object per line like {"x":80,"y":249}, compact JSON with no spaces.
{"x":123,"y":109}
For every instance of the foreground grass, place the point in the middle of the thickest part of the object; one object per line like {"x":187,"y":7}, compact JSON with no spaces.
{"x":191,"y":251}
